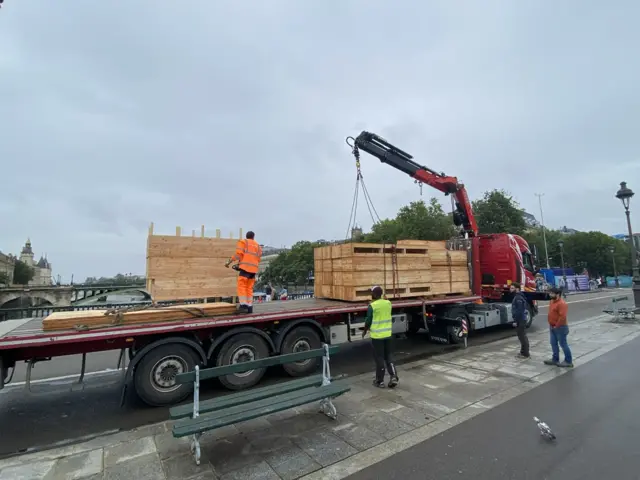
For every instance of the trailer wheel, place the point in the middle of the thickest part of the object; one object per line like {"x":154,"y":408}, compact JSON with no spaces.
{"x":301,"y":339}
{"x":155,"y":376}
{"x":244,"y":347}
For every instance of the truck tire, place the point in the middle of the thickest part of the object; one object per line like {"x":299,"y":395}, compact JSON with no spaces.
{"x":454,"y":331}
{"x":154,"y":377}
{"x":243,"y":347}
{"x":301,"y":339}
{"x":529,"y":316}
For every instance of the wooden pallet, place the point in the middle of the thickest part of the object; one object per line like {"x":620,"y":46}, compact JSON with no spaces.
{"x":190,"y":267}
{"x":422,"y":268}
{"x":89,"y":319}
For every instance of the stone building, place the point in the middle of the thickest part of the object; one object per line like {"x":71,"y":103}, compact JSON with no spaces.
{"x":7,"y":264}
{"x":41,"y":268}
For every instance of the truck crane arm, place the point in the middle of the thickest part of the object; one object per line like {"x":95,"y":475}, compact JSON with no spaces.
{"x":393,"y":156}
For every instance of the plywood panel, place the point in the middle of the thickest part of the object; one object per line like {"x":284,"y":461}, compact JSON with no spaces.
{"x":180,"y":268}
{"x":422,"y":268}
{"x":99,"y":318}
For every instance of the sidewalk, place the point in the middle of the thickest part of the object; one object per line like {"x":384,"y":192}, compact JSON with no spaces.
{"x":373,"y":424}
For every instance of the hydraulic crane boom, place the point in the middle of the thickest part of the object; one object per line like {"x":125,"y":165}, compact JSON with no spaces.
{"x":391,"y":155}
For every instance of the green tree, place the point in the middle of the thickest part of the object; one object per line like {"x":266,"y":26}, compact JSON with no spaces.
{"x":590,"y":248}
{"x":498,"y":212}
{"x":292,"y":267}
{"x":594,"y":249}
{"x":416,"y":221}
{"x":4,"y":278}
{"x":22,"y":273}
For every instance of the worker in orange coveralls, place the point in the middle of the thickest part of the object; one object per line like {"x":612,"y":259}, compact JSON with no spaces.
{"x":248,"y":253}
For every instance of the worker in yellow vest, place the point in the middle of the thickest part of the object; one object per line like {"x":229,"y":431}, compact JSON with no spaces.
{"x":378,"y":322}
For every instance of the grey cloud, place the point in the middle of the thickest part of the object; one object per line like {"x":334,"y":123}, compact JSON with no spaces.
{"x":115,"y":116}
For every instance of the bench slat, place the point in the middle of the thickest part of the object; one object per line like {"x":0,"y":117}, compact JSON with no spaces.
{"x":221,"y":371}
{"x":257,"y":409}
{"x":247,"y":396}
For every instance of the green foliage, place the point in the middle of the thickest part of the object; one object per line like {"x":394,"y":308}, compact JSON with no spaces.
{"x":291,"y":267}
{"x":119,"y":279}
{"x":22,"y":273}
{"x":498,"y":212}
{"x":590,"y":248}
{"x":416,"y":221}
{"x":4,"y":278}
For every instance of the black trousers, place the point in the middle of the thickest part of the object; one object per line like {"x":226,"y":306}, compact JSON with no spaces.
{"x":521,"y":331}
{"x":382,"y":355}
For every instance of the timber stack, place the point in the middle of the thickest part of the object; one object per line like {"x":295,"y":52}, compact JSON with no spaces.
{"x":92,"y":319}
{"x":409,"y":268}
{"x":190,"y":267}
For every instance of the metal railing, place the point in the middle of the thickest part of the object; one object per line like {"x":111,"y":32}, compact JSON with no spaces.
{"x":45,"y":310}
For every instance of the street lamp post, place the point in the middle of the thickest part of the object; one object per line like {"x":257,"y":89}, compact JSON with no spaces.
{"x":544,"y":234}
{"x":625,"y":194}
{"x":564,"y":273}
{"x":612,"y":249}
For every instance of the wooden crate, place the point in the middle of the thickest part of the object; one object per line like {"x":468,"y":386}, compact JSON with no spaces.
{"x":423,"y":268}
{"x":190,"y":267}
{"x":99,"y":318}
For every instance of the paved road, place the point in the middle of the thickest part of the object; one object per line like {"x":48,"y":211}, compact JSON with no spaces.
{"x":593,"y":410}
{"x":53,"y":412}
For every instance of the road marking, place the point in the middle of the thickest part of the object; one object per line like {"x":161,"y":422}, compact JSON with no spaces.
{"x":586,"y":300}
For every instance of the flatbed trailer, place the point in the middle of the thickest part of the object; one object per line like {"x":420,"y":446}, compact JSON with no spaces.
{"x":158,"y":351}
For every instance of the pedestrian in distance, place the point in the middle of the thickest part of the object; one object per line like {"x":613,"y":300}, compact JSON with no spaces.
{"x":558,"y":330}
{"x":248,"y":254}
{"x":268,"y":291}
{"x":378,"y":322}
{"x":519,"y":308}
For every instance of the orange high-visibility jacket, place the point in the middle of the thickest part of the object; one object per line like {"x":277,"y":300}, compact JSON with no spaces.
{"x":248,"y":253}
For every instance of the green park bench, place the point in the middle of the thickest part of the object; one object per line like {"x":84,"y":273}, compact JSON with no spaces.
{"x":198,"y":417}
{"x":621,"y":308}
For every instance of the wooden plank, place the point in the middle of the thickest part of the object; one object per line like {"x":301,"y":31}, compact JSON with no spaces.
{"x":247,"y":396}
{"x":221,"y":371}
{"x":260,"y":408}
{"x":98,"y":318}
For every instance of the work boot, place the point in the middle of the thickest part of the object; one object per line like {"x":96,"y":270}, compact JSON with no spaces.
{"x":243,"y":309}
{"x":250,"y":310}
{"x":565,"y":364}
{"x":551,"y":362}
{"x":393,"y":383}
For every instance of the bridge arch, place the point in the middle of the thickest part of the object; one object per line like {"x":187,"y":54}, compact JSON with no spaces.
{"x":10,"y":297}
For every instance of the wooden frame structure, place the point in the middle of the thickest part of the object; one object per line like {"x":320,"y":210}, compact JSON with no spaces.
{"x":409,"y":268}
{"x":190,"y":267}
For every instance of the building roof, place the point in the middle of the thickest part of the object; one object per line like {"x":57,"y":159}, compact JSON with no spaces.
{"x":43,"y":263}
{"x":27,"y":250}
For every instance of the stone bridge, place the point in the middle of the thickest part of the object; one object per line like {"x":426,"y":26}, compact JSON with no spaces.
{"x":64,"y":296}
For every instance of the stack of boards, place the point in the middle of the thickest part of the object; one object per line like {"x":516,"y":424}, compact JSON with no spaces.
{"x":423,"y":269}
{"x":88,"y":319}
{"x":189,"y":267}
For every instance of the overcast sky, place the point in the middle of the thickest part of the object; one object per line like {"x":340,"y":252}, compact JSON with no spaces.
{"x":234,"y":114}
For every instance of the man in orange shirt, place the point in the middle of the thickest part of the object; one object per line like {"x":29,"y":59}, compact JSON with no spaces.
{"x":248,"y":254}
{"x":558,"y":329}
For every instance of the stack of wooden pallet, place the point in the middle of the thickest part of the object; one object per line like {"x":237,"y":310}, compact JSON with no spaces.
{"x":89,"y":319}
{"x":189,"y":267}
{"x":410,"y":268}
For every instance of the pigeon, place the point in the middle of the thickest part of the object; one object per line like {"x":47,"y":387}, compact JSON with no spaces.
{"x":545,"y":431}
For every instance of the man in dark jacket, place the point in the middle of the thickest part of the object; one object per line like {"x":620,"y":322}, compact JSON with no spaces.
{"x":519,"y":308}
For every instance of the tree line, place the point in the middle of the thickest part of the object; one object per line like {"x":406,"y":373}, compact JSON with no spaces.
{"x":495,"y":212}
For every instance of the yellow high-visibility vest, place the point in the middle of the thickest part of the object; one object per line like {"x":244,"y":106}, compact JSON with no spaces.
{"x":381,"y":325}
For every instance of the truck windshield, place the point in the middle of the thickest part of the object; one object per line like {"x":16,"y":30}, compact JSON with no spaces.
{"x":527,"y":260}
